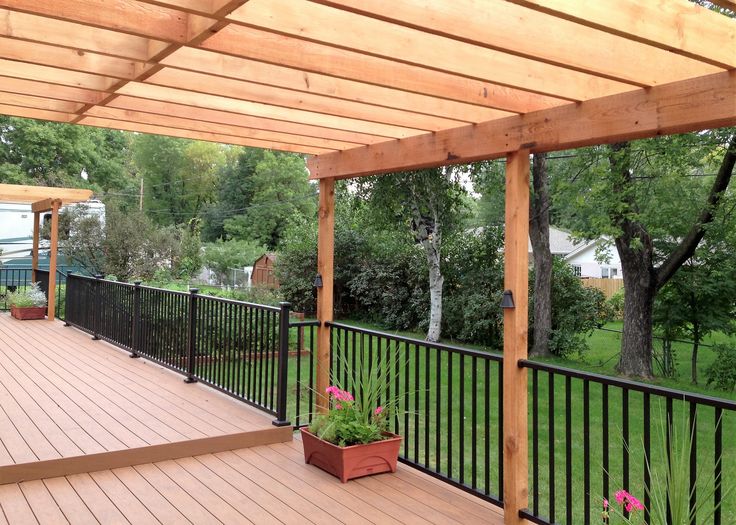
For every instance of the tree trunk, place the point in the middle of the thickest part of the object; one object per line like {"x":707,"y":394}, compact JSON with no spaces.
{"x":636,"y":342}
{"x":694,"y":357}
{"x":436,"y":281}
{"x":542,"y":256}
{"x":634,"y":246}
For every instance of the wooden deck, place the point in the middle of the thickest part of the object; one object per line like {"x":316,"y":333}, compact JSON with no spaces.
{"x":88,"y":435}
{"x":266,"y":484}
{"x":69,"y":404}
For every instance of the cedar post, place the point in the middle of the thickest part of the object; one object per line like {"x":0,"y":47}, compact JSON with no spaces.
{"x":55,"y":205}
{"x":325,"y":268}
{"x":515,"y":332}
{"x":36,"y":237}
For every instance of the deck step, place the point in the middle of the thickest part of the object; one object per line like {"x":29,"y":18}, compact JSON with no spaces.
{"x":51,"y":468}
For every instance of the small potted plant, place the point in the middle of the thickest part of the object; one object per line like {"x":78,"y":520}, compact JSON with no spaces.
{"x":352,"y":439}
{"x":28,"y":304}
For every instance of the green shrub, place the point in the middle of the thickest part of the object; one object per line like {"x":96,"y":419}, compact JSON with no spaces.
{"x":722,"y":372}
{"x":32,"y":296}
{"x":616,"y":305}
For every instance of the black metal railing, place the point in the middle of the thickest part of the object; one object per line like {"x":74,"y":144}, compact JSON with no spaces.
{"x":237,"y":347}
{"x":302,"y":371}
{"x":592,"y":435}
{"x":451,"y":402}
{"x":14,"y":279}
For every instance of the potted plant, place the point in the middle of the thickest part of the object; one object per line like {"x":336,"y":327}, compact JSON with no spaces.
{"x":352,"y":439}
{"x":28,"y":304}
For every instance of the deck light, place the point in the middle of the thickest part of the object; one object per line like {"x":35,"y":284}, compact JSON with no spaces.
{"x":508,"y":300}
{"x":318,"y":281}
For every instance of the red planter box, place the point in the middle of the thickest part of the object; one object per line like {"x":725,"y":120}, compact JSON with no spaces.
{"x":354,"y":461}
{"x":29,"y":312}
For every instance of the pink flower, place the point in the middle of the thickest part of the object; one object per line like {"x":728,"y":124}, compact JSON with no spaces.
{"x":629,"y":502}
{"x":605,"y":504}
{"x":378,"y":411}
{"x":332,"y":390}
{"x":338,"y":406}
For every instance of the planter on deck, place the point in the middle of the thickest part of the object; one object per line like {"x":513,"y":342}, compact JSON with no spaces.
{"x":354,"y":461}
{"x":28,"y":312}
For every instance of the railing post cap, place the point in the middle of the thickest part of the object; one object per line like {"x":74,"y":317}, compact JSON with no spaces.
{"x":137,"y":283}
{"x":99,"y":276}
{"x":284,"y":304}
{"x":194,"y":291}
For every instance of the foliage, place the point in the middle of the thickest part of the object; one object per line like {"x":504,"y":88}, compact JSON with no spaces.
{"x":179,"y":176}
{"x":31,"y":296}
{"x":722,"y":372}
{"x":670,"y":486}
{"x":616,"y":305}
{"x":576,"y":311}
{"x":279,"y":191}
{"x":190,"y":259}
{"x":55,"y":154}
{"x":222,"y":256}
{"x":364,"y":416}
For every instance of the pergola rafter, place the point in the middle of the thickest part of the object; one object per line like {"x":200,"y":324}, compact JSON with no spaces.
{"x":381,"y":86}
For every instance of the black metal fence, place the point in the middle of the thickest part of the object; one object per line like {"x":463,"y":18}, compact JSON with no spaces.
{"x":14,"y":279}
{"x":593,"y":435}
{"x":589,"y":435}
{"x":236,"y":347}
{"x":451,"y":401}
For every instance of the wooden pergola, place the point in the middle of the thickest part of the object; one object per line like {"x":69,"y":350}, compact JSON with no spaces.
{"x":370,"y":87}
{"x":44,"y":199}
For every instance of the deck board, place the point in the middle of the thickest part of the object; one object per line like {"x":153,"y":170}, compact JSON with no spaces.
{"x":68,"y":403}
{"x":260,"y":485}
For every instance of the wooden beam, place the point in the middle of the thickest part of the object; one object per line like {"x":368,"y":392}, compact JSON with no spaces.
{"x":73,"y":60}
{"x":376,"y":37}
{"x":200,"y":135}
{"x":223,"y":117}
{"x":36,"y":238}
{"x":34,"y":28}
{"x":29,"y":194}
{"x":688,"y":105}
{"x":726,"y":4}
{"x":28,"y":101}
{"x":515,"y":335}
{"x":41,"y":114}
{"x":223,"y":129}
{"x":179,"y":96}
{"x":298,"y":81}
{"x":43,"y":89}
{"x":532,"y":34}
{"x":325,"y":268}
{"x":287,"y":98}
{"x":312,"y":57}
{"x":51,"y":310}
{"x":42,"y":205}
{"x":125,"y":16}
{"x":55,"y":75}
{"x":677,"y":26}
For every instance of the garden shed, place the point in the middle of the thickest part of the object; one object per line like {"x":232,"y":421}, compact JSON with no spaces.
{"x":263,"y":271}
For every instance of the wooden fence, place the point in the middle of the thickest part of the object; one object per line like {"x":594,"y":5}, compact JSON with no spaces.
{"x":607,"y":286}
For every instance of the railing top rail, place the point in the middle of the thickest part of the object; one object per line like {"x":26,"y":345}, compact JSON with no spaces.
{"x":411,"y":340}
{"x":183,"y":293}
{"x":725,"y":404}
{"x":297,"y":324}
{"x":242,"y":303}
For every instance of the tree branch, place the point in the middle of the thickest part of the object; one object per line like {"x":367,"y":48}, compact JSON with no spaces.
{"x":690,"y":242}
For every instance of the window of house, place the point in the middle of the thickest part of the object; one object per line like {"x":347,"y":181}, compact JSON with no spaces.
{"x":604,"y":272}
{"x":577,"y":270}
{"x":614,"y":272}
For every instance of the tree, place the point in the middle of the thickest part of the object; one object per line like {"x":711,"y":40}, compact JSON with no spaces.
{"x":653,"y":198}
{"x":56,"y":154}
{"x":222,"y":256}
{"x":540,"y":203}
{"x":279,"y":190}
{"x":429,"y":202}
{"x":700,"y":298}
{"x":179,"y":176}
